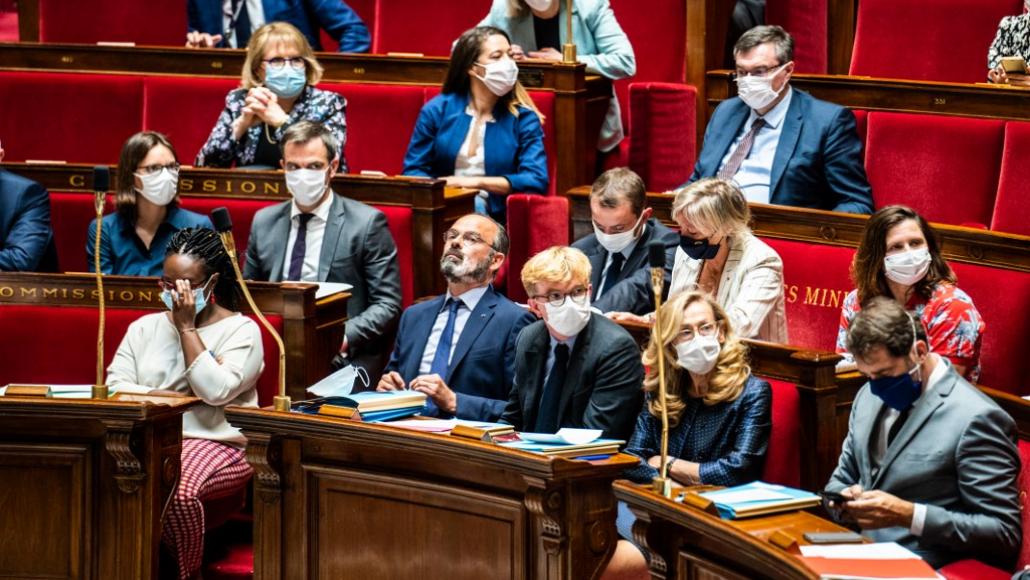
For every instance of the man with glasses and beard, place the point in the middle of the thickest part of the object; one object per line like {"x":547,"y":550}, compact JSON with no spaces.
{"x":459,"y":348}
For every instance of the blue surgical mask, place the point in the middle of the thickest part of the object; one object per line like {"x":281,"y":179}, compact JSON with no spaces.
{"x":286,"y":82}
{"x":898,"y":393}
{"x":199,"y":299}
{"x":698,"y":249}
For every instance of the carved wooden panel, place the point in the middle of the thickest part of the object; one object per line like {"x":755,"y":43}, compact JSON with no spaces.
{"x":46,"y":530}
{"x":692,"y":567}
{"x":410,"y":529}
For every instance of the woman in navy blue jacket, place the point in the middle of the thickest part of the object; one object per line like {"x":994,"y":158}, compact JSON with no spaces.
{"x":483,"y":131}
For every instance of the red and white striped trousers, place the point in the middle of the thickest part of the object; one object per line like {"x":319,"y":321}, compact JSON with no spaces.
{"x":209,"y":469}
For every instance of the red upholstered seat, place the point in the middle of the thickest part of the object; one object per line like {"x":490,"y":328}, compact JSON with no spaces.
{"x":535,"y":223}
{"x":1003,"y":299}
{"x":933,"y":40}
{"x":782,"y":461}
{"x":45,"y":115}
{"x":662,"y":133}
{"x":816,"y":280}
{"x":240,"y":210}
{"x":423,"y":27}
{"x":861,"y":127}
{"x":70,"y":214}
{"x":8,"y":26}
{"x":155,"y":22}
{"x":945,"y":167}
{"x":806,"y":22}
{"x":1011,"y":210}
{"x":399,"y":220}
{"x":185,"y":109}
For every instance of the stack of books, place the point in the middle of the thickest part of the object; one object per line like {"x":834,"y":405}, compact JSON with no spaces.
{"x":567,"y":443}
{"x":759,"y":499}
{"x":369,"y":406}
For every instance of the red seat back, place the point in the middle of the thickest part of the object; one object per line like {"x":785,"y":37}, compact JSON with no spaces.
{"x":932,"y":40}
{"x":662,"y":139}
{"x":806,"y":22}
{"x":782,"y":460}
{"x":240,"y":210}
{"x":424,"y":27}
{"x":399,"y":220}
{"x":185,"y":109}
{"x":68,"y":117}
{"x":1011,"y":210}
{"x":155,"y":22}
{"x":535,"y":223}
{"x":70,"y":214}
{"x":1024,"y":502}
{"x":946,"y":167}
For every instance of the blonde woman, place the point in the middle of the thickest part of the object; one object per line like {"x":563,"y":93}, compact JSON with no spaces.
{"x":717,"y":255}
{"x":276,"y":91}
{"x":719,"y":414}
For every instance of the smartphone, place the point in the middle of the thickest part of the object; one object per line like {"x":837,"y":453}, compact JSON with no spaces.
{"x":833,"y":496}
{"x":1013,"y":65}
{"x":833,"y":537}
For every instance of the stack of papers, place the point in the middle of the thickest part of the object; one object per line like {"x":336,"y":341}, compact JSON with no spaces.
{"x":372,"y":405}
{"x":865,"y":561}
{"x":567,"y":443}
{"x":85,"y":391}
{"x":758,"y":498}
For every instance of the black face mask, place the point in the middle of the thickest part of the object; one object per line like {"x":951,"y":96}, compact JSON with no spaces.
{"x":698,"y":249}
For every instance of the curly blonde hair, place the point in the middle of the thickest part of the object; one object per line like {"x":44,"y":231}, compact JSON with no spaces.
{"x":731,"y":368}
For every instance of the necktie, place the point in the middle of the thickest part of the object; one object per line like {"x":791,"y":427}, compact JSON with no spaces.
{"x":612,"y":275}
{"x":300,"y":247}
{"x":442,"y":358}
{"x":241,"y":27}
{"x":547,"y":415}
{"x":743,"y":149}
{"x":896,"y":427}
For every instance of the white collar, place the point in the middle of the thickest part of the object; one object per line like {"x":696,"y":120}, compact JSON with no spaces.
{"x":470,"y":298}
{"x":321,"y":210}
{"x":775,"y":115}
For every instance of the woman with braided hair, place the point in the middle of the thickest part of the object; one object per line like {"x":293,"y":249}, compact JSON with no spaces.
{"x":203,"y":347}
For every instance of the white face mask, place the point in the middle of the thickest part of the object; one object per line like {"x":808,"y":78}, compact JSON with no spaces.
{"x":500,"y":76}
{"x":306,"y":185}
{"x":616,"y":243}
{"x":757,"y":92}
{"x":907,"y":267}
{"x":699,"y":354}
{"x":159,"y":188}
{"x":569,"y":318}
{"x":539,"y":5}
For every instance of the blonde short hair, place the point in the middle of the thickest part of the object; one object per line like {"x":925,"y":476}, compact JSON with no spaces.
{"x":556,"y":265}
{"x":269,"y":35}
{"x":714,"y":206}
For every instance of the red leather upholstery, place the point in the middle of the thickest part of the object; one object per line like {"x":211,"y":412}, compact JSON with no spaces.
{"x":1011,"y":210}
{"x":861,"y":127}
{"x":535,"y":223}
{"x":185,"y":109}
{"x":662,"y":136}
{"x":424,"y":27}
{"x":973,"y":570}
{"x":933,"y":40}
{"x":946,"y":167}
{"x":782,"y":461}
{"x":155,"y":22}
{"x":8,"y":26}
{"x":399,"y":220}
{"x":70,"y":214}
{"x":806,"y":22}
{"x":69,"y":117}
{"x":240,"y":210}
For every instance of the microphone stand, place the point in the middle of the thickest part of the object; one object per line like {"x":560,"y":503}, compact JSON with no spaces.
{"x":101,"y":182}
{"x":568,"y":50}
{"x":661,"y":484}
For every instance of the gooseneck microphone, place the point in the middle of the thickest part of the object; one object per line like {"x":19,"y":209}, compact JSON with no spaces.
{"x":656,"y":260}
{"x":101,"y":183}
{"x":223,"y":225}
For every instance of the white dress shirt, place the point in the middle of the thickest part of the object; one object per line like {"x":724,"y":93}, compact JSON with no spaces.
{"x":312,"y":240}
{"x":626,"y":252}
{"x":473,"y":165}
{"x":755,"y":173}
{"x":468,"y":301}
{"x":255,"y":12}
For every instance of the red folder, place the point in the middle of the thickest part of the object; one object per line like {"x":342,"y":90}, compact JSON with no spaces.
{"x":856,"y":568}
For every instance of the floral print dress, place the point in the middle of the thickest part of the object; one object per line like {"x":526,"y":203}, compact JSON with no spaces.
{"x":1012,"y":39}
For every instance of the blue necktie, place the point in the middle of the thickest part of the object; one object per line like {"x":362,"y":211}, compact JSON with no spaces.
{"x":442,"y":358}
{"x":300,"y":247}
{"x":547,"y":419}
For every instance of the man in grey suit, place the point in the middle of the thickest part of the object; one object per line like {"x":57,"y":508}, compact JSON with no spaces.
{"x":929,"y":461}
{"x":573,"y":368}
{"x":323,"y":237}
{"x":623,"y":228}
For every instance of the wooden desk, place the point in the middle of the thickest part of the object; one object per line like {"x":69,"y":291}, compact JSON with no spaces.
{"x":685,"y":542}
{"x":84,"y":485}
{"x":336,"y":498}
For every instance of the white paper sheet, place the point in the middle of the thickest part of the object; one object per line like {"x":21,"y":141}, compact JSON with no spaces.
{"x":879,"y":551}
{"x":330,"y":288}
{"x":565,"y":436}
{"x":749,"y":496}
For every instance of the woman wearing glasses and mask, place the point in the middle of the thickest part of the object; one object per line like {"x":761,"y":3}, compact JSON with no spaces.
{"x":134,"y":238}
{"x":202,"y":347}
{"x":277,"y":90}
{"x":720,"y":416}
{"x":483,"y":131}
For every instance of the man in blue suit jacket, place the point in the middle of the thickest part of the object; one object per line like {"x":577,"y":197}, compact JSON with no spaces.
{"x":470,"y":375}
{"x":783,"y":146}
{"x":26,"y":241}
{"x":207,"y":26}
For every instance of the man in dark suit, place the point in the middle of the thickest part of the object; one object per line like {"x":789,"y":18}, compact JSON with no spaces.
{"x":783,"y":146}
{"x":459,"y":348}
{"x":323,"y":237}
{"x":229,"y":23}
{"x":623,"y":228}
{"x":573,"y":368}
{"x":26,"y":240}
{"x":929,"y":461}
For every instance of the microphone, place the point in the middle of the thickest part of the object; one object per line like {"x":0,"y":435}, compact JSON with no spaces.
{"x":568,"y":50}
{"x":661,"y":484}
{"x":101,"y":183}
{"x":223,"y":225}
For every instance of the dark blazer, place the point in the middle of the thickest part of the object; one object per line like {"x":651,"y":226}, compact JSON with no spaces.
{"x":818,"y":161}
{"x":357,"y":249}
{"x":26,"y":240}
{"x":637,"y":260}
{"x":514,"y":146}
{"x":309,"y":16}
{"x":957,"y":455}
{"x":603,"y":385}
{"x":483,"y":363}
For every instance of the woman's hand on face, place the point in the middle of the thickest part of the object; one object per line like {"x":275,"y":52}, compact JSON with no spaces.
{"x":184,"y":309}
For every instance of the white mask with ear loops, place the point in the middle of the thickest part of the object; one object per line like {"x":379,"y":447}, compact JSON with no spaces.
{"x":539,"y":5}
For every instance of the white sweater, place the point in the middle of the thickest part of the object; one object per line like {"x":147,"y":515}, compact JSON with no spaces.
{"x":150,"y":355}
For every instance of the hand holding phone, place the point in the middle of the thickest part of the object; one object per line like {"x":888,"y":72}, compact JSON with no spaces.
{"x":1013,"y":65}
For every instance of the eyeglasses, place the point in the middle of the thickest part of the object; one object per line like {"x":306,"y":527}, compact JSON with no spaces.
{"x":706,"y":329}
{"x":468,"y":239}
{"x":157,"y":167}
{"x":758,"y":72}
{"x":279,"y":62}
{"x":556,"y":299}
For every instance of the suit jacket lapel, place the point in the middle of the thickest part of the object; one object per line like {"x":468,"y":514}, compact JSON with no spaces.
{"x":280,"y":236}
{"x":788,"y":141}
{"x":420,"y":335}
{"x":920,"y":414}
{"x":531,"y":382}
{"x":331,"y":237}
{"x":597,"y":260}
{"x":638,"y":256}
{"x":474,"y":326}
{"x":722,"y":140}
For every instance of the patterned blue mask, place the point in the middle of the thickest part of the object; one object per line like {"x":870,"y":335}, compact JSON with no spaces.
{"x":286,"y":82}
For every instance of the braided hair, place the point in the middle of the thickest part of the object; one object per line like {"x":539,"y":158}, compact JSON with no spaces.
{"x":205,"y":245}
